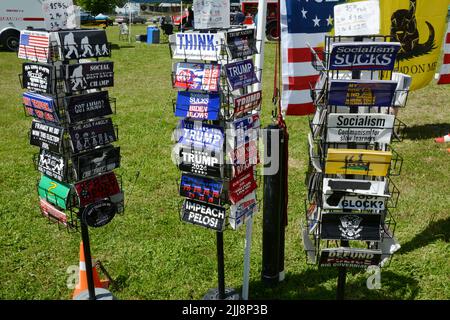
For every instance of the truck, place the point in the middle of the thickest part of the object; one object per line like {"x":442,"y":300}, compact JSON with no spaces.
{"x":16,"y":15}
{"x":250,"y":7}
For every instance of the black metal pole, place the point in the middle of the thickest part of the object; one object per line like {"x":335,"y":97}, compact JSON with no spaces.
{"x":342,"y":276}
{"x":88,"y":260}
{"x":220,"y":265}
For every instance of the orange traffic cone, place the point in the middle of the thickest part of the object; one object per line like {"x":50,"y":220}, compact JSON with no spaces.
{"x":82,"y":284}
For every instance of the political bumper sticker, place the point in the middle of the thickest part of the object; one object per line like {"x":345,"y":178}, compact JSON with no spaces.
{"x":201,"y":189}
{"x":244,"y":157}
{"x":201,"y":135}
{"x":349,"y":226}
{"x":243,"y":210}
{"x":88,"y":135}
{"x":247,"y":103}
{"x":241,"y":43}
{"x":242,"y":185}
{"x":52,"y":212}
{"x":358,"y":161}
{"x":197,"y":46}
{"x":349,"y":257}
{"x":40,"y":107}
{"x":55,"y":192}
{"x":91,"y":75}
{"x":360,"y":128}
{"x":197,"y":76}
{"x":38,"y":77}
{"x":52,"y":165}
{"x":363,"y":56}
{"x":244,"y":130}
{"x":203,"y":214}
{"x":83,"y":43}
{"x":362,"y":92}
{"x":34,"y":46}
{"x":46,"y":136}
{"x":87,"y":106}
{"x":98,"y":188}
{"x":96,"y":162}
{"x":200,"y":162}
{"x":241,"y":74}
{"x":365,"y":187}
{"x":99,"y":213}
{"x":197,"y":105}
{"x":343,"y":200}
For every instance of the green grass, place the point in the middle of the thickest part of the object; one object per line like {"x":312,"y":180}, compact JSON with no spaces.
{"x":153,"y":255}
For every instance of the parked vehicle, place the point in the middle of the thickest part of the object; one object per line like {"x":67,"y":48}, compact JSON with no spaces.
{"x":134,"y":19}
{"x":16,"y":15}
{"x":249,"y":8}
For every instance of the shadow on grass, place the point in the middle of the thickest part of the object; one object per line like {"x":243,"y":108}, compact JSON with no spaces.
{"x":435,"y":230}
{"x":116,"y":46}
{"x":310,"y":285}
{"x":427,"y":131}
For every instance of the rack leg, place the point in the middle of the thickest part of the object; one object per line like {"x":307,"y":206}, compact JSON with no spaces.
{"x":88,"y":260}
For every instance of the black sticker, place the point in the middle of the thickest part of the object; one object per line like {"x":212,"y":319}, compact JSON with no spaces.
{"x":46,"y":136}
{"x":349,"y":226}
{"x":204,"y":163}
{"x":87,"y":136}
{"x":87,"y":106}
{"x":96,"y":162}
{"x":38,"y":77}
{"x":78,"y":44}
{"x":99,"y":213}
{"x":349,"y":257}
{"x":241,"y":43}
{"x":52,"y":165}
{"x":203,"y":214}
{"x":90,"y":75}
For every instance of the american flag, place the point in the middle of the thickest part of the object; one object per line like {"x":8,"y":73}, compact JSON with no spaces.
{"x":303,"y":23}
{"x":34,"y":46}
{"x":444,"y":74}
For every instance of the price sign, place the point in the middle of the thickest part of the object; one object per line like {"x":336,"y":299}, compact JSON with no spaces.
{"x":357,"y":19}
{"x":60,"y":14}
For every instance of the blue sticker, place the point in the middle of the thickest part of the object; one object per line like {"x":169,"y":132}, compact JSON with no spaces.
{"x":200,"y":188}
{"x":361,"y":93}
{"x":363,"y":56}
{"x":199,"y":106}
{"x":241,"y":74}
{"x":40,"y":107}
{"x":200,"y":135}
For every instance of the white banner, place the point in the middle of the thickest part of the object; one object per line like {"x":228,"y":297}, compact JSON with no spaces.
{"x":360,"y":128}
{"x":211,"y":14}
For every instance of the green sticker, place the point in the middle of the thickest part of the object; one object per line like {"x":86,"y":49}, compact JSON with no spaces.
{"x":54,"y":191}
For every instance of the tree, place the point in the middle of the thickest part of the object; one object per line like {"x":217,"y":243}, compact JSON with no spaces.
{"x":100,"y":6}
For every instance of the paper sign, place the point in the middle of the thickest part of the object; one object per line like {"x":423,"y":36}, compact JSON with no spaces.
{"x":60,"y":14}
{"x":203,"y":214}
{"x":357,"y":19}
{"x":209,"y":14}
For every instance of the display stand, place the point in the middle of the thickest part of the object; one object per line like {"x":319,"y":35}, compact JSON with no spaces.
{"x":78,"y":188}
{"x":351,"y":160}
{"x":204,"y":72}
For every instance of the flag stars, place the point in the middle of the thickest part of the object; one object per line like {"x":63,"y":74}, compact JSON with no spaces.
{"x":316,"y":22}
{"x":329,"y":21}
{"x":304,"y":12}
